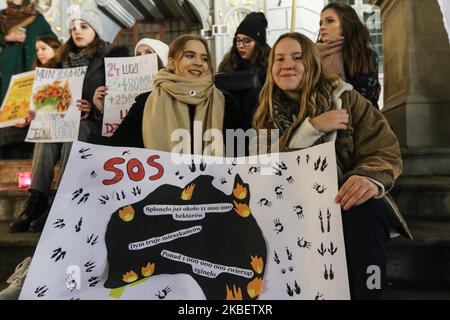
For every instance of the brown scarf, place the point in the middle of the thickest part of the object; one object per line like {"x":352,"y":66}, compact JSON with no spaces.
{"x":15,"y":17}
{"x":331,"y":57}
{"x":167,"y":106}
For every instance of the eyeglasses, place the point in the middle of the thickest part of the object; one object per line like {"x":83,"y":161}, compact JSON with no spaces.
{"x":245,"y":42}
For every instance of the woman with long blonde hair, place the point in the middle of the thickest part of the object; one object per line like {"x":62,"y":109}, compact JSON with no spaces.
{"x":309,"y":108}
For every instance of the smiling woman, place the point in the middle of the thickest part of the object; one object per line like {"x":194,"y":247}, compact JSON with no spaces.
{"x":182,"y":94}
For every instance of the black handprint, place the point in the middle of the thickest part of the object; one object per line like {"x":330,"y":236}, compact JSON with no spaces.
{"x":332,"y":250}
{"x":290,"y":180}
{"x":126,"y":152}
{"x":303,"y":243}
{"x":275,"y":257}
{"x":93,"y":174}
{"x":41,"y":291}
{"x":277,"y":172}
{"x":162,"y":294}
{"x":318,"y":296}
{"x":289,"y":291}
{"x":59,"y":224}
{"x":82,"y":150}
{"x":254,"y":170}
{"x":202,"y":166}
{"x":230,"y":170}
{"x":291,"y":268}
{"x":279,"y":192}
{"x":178,"y":175}
{"x":78,"y":225}
{"x":328,"y":220}
{"x":324,"y":165}
{"x":317,"y":164}
{"x":84,"y":198}
{"x":86,"y":156}
{"x":136,"y":191}
{"x":321,"y":221}
{"x":298,"y":210}
{"x":320,"y":189}
{"x":289,"y":254}
{"x":297,"y":288}
{"x":89,"y":266}
{"x":283,"y":270}
{"x":265,"y":202}
{"x":103,"y":199}
{"x":120,"y":196}
{"x":93,"y":281}
{"x":58,"y":254}
{"x":192,"y":167}
{"x":278,"y":226}
{"x":91,"y":240}
{"x":223,"y":181}
{"x":77,"y":193}
{"x":322,"y":251}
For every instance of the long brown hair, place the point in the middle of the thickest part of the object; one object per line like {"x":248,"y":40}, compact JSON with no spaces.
{"x":96,"y":46}
{"x":177,"y":47}
{"x":51,"y":41}
{"x":312,"y":88}
{"x":357,"y":43}
{"x":257,"y":61}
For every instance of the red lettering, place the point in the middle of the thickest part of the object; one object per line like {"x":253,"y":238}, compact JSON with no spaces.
{"x":118,"y":174}
{"x":135,"y":176}
{"x":160,"y":168}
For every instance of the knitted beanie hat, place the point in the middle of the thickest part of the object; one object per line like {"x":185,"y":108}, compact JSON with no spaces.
{"x":161,"y":49}
{"x":90,"y":17}
{"x":254,"y":25}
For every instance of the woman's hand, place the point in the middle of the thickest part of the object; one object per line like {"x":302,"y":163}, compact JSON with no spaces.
{"x":99,"y":97}
{"x":15,"y":37}
{"x":28,"y":119}
{"x":330,"y":121}
{"x":85,"y":108}
{"x":355,"y":191}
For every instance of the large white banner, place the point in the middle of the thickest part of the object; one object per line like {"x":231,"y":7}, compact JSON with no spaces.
{"x":126,"y":78}
{"x":54,"y":99}
{"x":129,"y":224}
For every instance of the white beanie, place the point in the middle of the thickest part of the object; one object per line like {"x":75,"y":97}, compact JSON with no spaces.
{"x":161,"y":49}
{"x":91,"y":18}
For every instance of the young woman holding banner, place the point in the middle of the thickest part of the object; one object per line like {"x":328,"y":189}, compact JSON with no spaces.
{"x":309,"y":108}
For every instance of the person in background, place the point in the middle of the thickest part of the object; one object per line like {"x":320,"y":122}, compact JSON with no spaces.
{"x":20,"y":25}
{"x":10,"y":137}
{"x":308,"y":108}
{"x":346,"y":50}
{"x":144,"y":46}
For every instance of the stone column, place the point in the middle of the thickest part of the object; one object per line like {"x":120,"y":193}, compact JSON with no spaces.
{"x":417,"y":72}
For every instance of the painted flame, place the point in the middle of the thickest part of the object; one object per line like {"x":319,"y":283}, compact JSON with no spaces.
{"x":257,"y":264}
{"x":240,"y":192}
{"x":235,"y":294}
{"x":255,"y":287}
{"x":130,"y":277}
{"x":148,"y":270}
{"x":187,"y":192}
{"x":126,"y":213}
{"x":242,"y":209}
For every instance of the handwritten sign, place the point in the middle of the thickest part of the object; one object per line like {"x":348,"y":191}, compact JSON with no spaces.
{"x":16,"y":104}
{"x":54,"y":98}
{"x":126,"y":78}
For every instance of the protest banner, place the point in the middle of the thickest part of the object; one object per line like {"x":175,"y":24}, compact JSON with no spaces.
{"x":54,"y":98}
{"x":16,"y":105}
{"x":127,"y":223}
{"x":126,"y":78}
